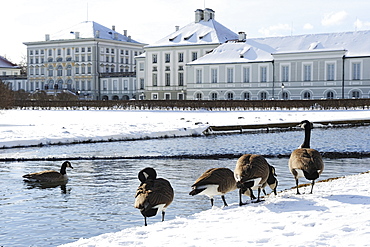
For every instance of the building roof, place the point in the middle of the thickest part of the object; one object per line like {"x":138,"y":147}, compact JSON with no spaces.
{"x":90,"y":29}
{"x":264,"y":49}
{"x":5,"y":63}
{"x":198,"y":33}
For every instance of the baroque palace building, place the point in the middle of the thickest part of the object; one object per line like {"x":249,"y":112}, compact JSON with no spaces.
{"x":206,"y":61}
{"x":90,"y":60}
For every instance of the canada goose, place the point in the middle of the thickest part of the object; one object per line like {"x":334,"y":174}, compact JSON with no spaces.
{"x":251,"y":172}
{"x":305,"y":161}
{"x":153,"y":195}
{"x":50,"y":175}
{"x":271,"y":180}
{"x":215,"y":181}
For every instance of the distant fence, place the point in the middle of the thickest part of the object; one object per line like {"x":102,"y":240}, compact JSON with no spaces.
{"x":198,"y":104}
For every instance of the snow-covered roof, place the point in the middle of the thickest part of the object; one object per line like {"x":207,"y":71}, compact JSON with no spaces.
{"x":90,"y":29}
{"x":5,"y":63}
{"x":198,"y":33}
{"x":264,"y":49}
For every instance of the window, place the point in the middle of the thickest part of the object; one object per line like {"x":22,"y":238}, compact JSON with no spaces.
{"x":83,"y":58}
{"x":69,"y":70}
{"x":154,"y":58}
{"x":167,"y":58}
{"x":307,"y":72}
{"x":112,"y":59}
{"x":83,"y":70}
{"x":214,"y":96}
{"x":181,"y":79}
{"x":285,"y":96}
{"x":246,"y":96}
{"x":77,"y":49}
{"x":306,"y":95}
{"x":59,"y":52}
{"x":230,"y":96}
{"x":181,"y":57}
{"x":198,"y":76}
{"x":230,"y":75}
{"x":263,"y":75}
{"x":88,"y":49}
{"x":115,"y":85}
{"x":77,"y":58}
{"x":89,"y":85}
{"x":330,"y":95}
{"x":155,"y":80}
{"x":77,"y":70}
{"x":141,"y":83}
{"x":246,"y":74}
{"x":356,"y":71}
{"x":50,"y":71}
{"x":83,"y":49}
{"x":141,"y":66}
{"x":263,"y":96}
{"x":168,"y":79}
{"x":355,"y":94}
{"x":198,"y":96}
{"x":285,"y":73}
{"x":194,"y":56}
{"x":125,"y":85}
{"x":167,"y":96}
{"x":214,"y":75}
{"x":105,"y":85}
{"x":106,"y":50}
{"x":50,"y":52}
{"x":330,"y":72}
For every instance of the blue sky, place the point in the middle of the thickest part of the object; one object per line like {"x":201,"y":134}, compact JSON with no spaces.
{"x":150,"y":20}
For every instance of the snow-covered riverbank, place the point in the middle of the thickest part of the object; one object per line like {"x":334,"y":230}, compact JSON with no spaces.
{"x":34,"y":127}
{"x":336,"y":214}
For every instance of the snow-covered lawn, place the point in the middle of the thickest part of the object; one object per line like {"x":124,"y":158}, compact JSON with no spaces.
{"x":336,"y":214}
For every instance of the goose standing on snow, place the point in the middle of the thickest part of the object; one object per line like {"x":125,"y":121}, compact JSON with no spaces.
{"x":50,"y":175}
{"x":215,"y":181}
{"x":153,"y":195}
{"x":304,"y":161}
{"x":251,"y":172}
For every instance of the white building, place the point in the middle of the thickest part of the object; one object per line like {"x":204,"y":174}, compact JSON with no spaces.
{"x":161,"y":72}
{"x":88,"y":59}
{"x":317,"y":66}
{"x":10,"y":74}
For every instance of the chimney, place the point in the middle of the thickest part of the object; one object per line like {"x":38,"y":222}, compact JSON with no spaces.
{"x":177,"y":28}
{"x":97,"y":34}
{"x":242,"y":36}
{"x":114,"y":28}
{"x":209,"y":14}
{"x":125,"y":32}
{"x":115,"y":36}
{"x":77,"y":35}
{"x":47,"y":37}
{"x":198,"y":15}
{"x":129,"y":38}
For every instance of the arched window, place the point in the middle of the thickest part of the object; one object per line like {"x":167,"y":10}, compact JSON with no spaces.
{"x":355,"y":94}
{"x":330,"y":95}
{"x":69,"y":70}
{"x":214,"y":96}
{"x":198,"y":96}
{"x":246,"y":96}
{"x":263,"y":96}
{"x":69,"y":84}
{"x":60,"y":70}
{"x":306,"y":95}
{"x":285,"y":95}
{"x":50,"y":71}
{"x":50,"y":84}
{"x":230,"y":96}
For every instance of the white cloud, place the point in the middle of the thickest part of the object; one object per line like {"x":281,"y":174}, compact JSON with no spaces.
{"x":334,"y":18}
{"x":362,"y":24}
{"x":308,"y":26}
{"x":275,"y":30}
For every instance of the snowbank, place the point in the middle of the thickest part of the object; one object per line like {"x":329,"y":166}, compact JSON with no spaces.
{"x":35,"y":127}
{"x":336,"y":214}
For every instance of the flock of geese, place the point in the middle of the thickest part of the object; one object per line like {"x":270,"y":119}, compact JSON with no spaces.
{"x":252,"y":172}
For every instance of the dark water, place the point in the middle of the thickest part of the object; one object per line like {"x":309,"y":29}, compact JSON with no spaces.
{"x":99,"y":196}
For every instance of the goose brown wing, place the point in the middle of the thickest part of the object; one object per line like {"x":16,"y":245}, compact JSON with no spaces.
{"x":154,"y":192}
{"x":44,"y":175}
{"x":223,"y":177}
{"x":254,"y":166}
{"x":306,"y":159}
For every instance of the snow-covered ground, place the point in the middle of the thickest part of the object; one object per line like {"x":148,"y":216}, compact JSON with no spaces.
{"x":34,"y":127}
{"x":336,"y":214}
